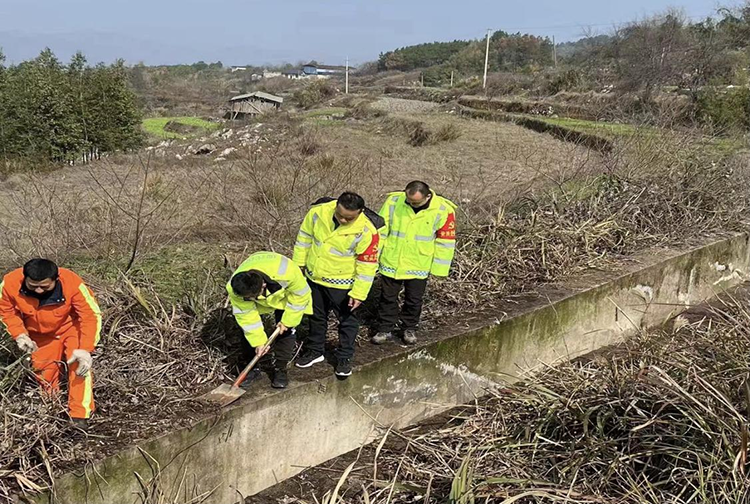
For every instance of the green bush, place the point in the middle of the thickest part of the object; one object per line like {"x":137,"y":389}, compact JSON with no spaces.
{"x":725,"y":110}
{"x":566,"y":80}
{"x":437,"y":76}
{"x":314,"y":93}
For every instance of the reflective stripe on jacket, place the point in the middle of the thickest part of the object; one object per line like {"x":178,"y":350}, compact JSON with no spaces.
{"x":417,"y":244}
{"x":22,"y":314}
{"x":342,"y":258}
{"x":294,"y":296}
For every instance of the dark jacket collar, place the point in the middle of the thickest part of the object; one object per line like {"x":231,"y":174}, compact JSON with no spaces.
{"x":54,"y":298}
{"x":376,"y":219}
{"x":271,"y":285}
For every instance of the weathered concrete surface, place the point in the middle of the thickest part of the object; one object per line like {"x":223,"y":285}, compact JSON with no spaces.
{"x":267,"y":438}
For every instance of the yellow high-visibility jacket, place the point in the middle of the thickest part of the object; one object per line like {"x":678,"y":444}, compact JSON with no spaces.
{"x":294,"y":295}
{"x":345,"y":257}
{"x":417,"y":244}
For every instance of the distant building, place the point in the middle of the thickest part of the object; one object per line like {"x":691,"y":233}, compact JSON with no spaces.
{"x":315,"y":71}
{"x":270,"y":75}
{"x":322,"y":71}
{"x":238,"y":69}
{"x":294,"y":74}
{"x":252,"y":104}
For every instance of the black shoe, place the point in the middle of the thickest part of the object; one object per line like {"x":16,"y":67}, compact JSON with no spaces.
{"x":382,"y":337}
{"x":308,"y":359}
{"x":80,"y":423}
{"x":343,"y":369}
{"x":253,"y":375}
{"x":280,"y":379}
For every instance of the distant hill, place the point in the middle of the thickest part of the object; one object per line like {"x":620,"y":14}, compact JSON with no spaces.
{"x":508,"y":52}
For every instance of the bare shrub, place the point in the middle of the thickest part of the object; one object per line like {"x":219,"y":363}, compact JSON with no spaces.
{"x":507,"y":83}
{"x":363,"y":109}
{"x":419,"y":135}
{"x":309,"y":143}
{"x":658,"y":191}
{"x":447,"y":133}
{"x":277,"y":85}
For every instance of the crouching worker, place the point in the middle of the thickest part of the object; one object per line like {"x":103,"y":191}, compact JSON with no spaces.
{"x":268,"y":282}
{"x":52,"y":315}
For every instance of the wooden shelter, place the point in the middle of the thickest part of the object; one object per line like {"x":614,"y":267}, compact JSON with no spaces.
{"x":252,"y":104}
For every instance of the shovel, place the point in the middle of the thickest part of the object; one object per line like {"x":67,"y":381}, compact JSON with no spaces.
{"x":226,"y":394}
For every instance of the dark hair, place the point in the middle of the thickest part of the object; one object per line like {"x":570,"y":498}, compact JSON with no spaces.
{"x":417,"y":186}
{"x":40,"y":269}
{"x":352,"y":201}
{"x":247,"y":283}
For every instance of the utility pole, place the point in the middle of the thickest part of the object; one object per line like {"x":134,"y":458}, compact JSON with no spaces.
{"x":451,"y":78}
{"x":486,"y":59}
{"x":347,"y":75}
{"x":554,"y":49}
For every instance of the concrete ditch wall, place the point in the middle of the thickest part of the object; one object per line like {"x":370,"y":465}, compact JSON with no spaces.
{"x":266,"y":439}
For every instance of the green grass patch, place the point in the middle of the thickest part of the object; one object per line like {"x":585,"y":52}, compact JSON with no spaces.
{"x":719,"y":145}
{"x":601,"y":128}
{"x":325,"y":122}
{"x":154,"y":126}
{"x":331,"y":111}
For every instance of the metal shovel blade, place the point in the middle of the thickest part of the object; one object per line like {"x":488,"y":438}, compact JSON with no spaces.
{"x":224,"y":394}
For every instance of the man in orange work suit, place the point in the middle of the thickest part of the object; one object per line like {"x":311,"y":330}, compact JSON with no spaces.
{"x":51,"y":313}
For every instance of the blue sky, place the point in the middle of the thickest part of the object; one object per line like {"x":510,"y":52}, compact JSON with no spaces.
{"x":252,"y":32}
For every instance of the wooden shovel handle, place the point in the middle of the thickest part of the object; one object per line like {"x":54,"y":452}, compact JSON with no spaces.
{"x":253,"y":362}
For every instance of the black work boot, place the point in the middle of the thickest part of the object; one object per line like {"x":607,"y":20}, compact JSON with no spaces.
{"x":80,"y":423}
{"x":410,"y":336}
{"x":280,"y":379}
{"x":253,"y":375}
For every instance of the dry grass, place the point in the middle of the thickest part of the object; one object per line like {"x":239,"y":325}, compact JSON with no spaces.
{"x":92,"y":210}
{"x":532,"y":210}
{"x":663,"y":418}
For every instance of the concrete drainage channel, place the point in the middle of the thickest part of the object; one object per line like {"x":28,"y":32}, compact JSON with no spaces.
{"x":240,"y":453}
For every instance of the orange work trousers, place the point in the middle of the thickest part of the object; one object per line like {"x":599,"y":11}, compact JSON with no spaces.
{"x":53,"y":353}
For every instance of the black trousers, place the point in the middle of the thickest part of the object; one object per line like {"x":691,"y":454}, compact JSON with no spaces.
{"x":324,"y":300}
{"x":284,"y":345}
{"x":413,"y":297}
{"x":281,"y":352}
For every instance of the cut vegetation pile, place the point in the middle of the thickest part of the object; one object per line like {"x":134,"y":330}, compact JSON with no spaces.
{"x":149,"y":364}
{"x":662,"y":418}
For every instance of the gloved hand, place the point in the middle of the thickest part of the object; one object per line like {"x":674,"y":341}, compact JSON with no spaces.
{"x":84,"y":360}
{"x":26,"y":344}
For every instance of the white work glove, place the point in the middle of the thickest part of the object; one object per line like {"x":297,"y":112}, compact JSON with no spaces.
{"x":84,"y":360}
{"x":26,"y":344}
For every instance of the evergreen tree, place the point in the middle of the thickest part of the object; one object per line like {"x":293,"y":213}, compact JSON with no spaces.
{"x":60,"y":113}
